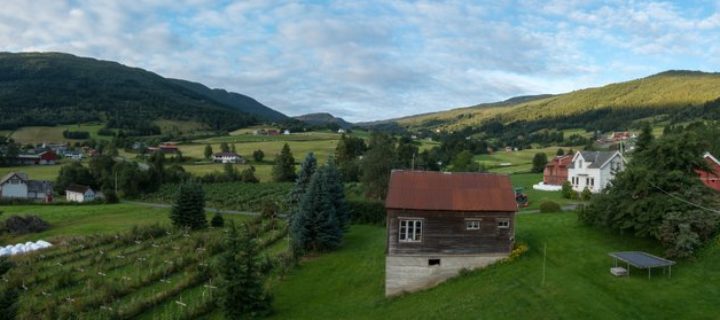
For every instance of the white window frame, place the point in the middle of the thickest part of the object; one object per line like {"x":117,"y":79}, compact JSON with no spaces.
{"x":410,"y":228}
{"x":472,"y":224}
{"x":505,"y":223}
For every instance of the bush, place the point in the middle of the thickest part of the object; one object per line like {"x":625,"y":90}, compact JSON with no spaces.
{"x":367,"y":212}
{"x":586,"y":195}
{"x":567,"y":191}
{"x":550,"y":206}
{"x":217,"y":220}
{"x":25,"y":224}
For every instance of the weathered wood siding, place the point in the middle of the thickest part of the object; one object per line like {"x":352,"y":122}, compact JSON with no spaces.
{"x":445,"y":233}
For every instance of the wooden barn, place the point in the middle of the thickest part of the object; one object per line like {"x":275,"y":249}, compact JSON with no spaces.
{"x":440,"y":223}
{"x":556,"y":171}
{"x":711,"y":179}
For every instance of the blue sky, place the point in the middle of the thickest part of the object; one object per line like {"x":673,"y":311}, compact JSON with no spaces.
{"x":369,"y":60}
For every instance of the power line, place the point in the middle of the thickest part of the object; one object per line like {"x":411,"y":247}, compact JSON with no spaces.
{"x":686,"y":201}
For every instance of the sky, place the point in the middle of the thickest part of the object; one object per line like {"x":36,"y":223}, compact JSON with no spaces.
{"x":377,"y":59}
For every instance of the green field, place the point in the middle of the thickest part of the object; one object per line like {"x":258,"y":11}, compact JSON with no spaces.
{"x":80,"y":220}
{"x":349,"y":283}
{"x":230,"y":195}
{"x":322,"y":149}
{"x":262,"y":171}
{"x":519,"y":161}
{"x":44,"y":172}
{"x":41,"y":134}
{"x":244,"y":136}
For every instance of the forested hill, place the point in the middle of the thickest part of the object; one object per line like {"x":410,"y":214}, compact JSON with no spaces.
{"x":671,"y":94}
{"x":57,"y":88}
{"x":323,"y":118}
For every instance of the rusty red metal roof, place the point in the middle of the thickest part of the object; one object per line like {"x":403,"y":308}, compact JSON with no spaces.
{"x":443,"y":191}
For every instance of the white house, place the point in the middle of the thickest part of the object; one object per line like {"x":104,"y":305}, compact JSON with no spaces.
{"x":594,"y":169}
{"x":78,"y":193}
{"x":16,"y":185}
{"x":341,"y":130}
{"x":228,"y":157}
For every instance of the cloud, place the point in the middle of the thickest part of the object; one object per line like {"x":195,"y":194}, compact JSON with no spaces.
{"x":368,"y":60}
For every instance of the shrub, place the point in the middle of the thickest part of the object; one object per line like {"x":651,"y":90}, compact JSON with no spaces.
{"x":586,"y":195}
{"x":367,"y":212}
{"x":217,"y":220}
{"x":550,"y":206}
{"x":567,"y":191}
{"x":25,"y":224}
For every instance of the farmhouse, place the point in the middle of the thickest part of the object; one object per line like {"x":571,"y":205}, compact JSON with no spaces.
{"x":556,"y":171}
{"x":16,"y":185}
{"x":711,"y":179}
{"x":594,"y":169}
{"x":440,"y":223}
{"x":41,"y":158}
{"x":228,"y":157}
{"x":78,"y":193}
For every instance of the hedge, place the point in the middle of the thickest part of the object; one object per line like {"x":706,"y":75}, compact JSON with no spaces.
{"x":367,"y":212}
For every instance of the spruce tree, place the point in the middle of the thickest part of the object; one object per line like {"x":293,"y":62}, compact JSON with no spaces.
{"x":315,"y":226}
{"x":243,"y":293}
{"x":337,"y":193}
{"x":307,"y":169}
{"x":284,"y":168}
{"x":189,"y":208}
{"x":645,"y":139}
{"x":208,"y":151}
{"x":560,"y":152}
{"x":217,"y":220}
{"x":539,"y":161}
{"x":377,"y":165}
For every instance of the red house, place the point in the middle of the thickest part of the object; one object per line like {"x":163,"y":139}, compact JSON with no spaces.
{"x":556,"y":171}
{"x":711,"y":179}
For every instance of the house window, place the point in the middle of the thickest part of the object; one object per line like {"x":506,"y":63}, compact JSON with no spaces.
{"x":503,"y":223}
{"x":472,"y":225}
{"x":592,"y":182}
{"x":580,"y":164}
{"x":587,"y":181}
{"x":410,"y":230}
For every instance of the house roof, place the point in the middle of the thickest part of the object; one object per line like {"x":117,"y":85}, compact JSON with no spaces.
{"x":78,"y":188}
{"x":7,"y":177}
{"x":597,"y":159}
{"x":39,"y":186}
{"x":710,"y":157}
{"x":227,"y":154}
{"x":560,"y":161}
{"x":427,"y":190}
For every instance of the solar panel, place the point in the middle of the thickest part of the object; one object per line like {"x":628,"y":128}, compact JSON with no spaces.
{"x":641,"y":259}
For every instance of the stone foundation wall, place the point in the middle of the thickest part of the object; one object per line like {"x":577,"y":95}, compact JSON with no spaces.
{"x":412,"y":273}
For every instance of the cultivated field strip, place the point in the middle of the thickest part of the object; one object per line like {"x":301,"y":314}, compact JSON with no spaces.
{"x":143,"y":273}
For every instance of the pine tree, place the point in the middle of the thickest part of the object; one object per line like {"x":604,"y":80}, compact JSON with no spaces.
{"x":337,"y":193}
{"x":258,"y":155}
{"x":284,"y":168}
{"x":645,"y":139}
{"x":243,"y":293}
{"x":224,"y":147}
{"x":376,"y":166}
{"x":189,"y":208}
{"x":560,"y":152}
{"x":539,"y":161}
{"x":217,"y":220}
{"x":208,"y":151}
{"x":307,"y":169}
{"x":315,"y":226}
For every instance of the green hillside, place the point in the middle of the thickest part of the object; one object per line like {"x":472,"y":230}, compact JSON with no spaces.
{"x":53,"y":88}
{"x":663,"y":93}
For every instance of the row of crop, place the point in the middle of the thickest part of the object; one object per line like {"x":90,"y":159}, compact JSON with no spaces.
{"x":229,"y":195}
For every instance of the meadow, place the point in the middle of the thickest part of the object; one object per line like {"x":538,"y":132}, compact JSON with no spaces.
{"x":536,"y":197}
{"x":44,"y":172}
{"x":349,"y":283}
{"x":514,"y":162}
{"x":40,"y":134}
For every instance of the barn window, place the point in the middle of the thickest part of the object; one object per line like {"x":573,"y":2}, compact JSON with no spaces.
{"x":433,"y":262}
{"x":410,"y":230}
{"x":503,"y":223}
{"x":472,"y":225}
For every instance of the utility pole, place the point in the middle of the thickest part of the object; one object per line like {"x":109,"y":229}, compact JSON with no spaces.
{"x":412,"y":164}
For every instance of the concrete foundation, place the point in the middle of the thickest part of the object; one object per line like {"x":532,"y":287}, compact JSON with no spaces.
{"x":413,"y":273}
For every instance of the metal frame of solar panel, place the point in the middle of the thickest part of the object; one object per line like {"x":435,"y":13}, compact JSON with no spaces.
{"x":642,"y":260}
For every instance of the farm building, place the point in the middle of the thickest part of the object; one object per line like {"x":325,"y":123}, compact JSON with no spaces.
{"x":164,"y":148}
{"x":16,"y":185}
{"x":78,"y":193}
{"x":556,"y":171}
{"x":228,"y":157}
{"x":41,"y":158}
{"x":440,"y":223}
{"x":711,"y":179}
{"x":594,"y":169}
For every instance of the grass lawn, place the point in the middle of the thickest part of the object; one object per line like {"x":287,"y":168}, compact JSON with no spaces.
{"x":349,"y":283}
{"x":536,"y":197}
{"x":519,"y":161}
{"x":80,"y":220}
{"x":49,"y":172}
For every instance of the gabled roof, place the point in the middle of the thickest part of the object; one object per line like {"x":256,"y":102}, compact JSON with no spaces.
{"x":8,"y":176}
{"x":710,"y":157}
{"x":39,"y":186}
{"x":227,"y":154}
{"x":77,"y":188}
{"x":442,"y":191}
{"x":597,"y":159}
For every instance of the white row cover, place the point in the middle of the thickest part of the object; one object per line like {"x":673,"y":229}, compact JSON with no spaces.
{"x":11,"y":250}
{"x":546,"y":187}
